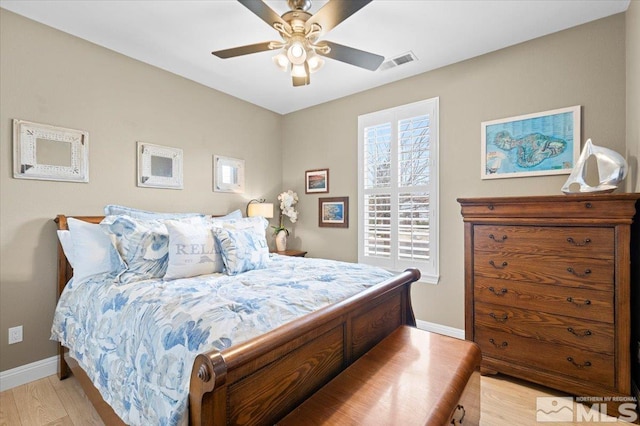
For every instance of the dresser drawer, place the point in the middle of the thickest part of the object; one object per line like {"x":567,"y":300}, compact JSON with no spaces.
{"x":560,"y":209}
{"x":579,"y":333}
{"x":546,"y":240}
{"x":568,"y":301}
{"x":554,"y":270}
{"x":561,"y":359}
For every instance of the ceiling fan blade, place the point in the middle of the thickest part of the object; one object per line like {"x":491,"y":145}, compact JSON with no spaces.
{"x":264,"y":12}
{"x":353,"y":56}
{"x":336,"y":11}
{"x":242,"y":50}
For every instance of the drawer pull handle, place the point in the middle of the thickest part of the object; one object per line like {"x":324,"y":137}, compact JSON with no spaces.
{"x":492,"y":263}
{"x":586,"y":302}
{"x":497,"y":239}
{"x":578,"y":274}
{"x":459,"y":421}
{"x":583,"y":334}
{"x":500,"y":292}
{"x":499,"y":346}
{"x":588,"y":205}
{"x":503,"y":318}
{"x":575,"y":243}
{"x":490,"y":207}
{"x":586,"y":363}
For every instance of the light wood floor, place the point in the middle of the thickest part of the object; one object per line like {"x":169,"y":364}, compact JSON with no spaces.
{"x":49,"y":401}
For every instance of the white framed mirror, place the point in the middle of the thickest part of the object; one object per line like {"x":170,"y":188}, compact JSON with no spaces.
{"x":45,"y":152}
{"x":159,"y":166}
{"x":228,"y":174}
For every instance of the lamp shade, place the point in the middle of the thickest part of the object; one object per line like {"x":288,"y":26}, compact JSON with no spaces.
{"x":260,"y":209}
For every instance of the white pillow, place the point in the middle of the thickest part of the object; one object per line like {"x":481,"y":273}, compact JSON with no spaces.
{"x":192,"y":250}
{"x":93,"y":251}
{"x":236,"y":214}
{"x":67,"y":245}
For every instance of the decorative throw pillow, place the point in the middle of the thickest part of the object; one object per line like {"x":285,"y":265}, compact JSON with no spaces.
{"x":242,"y":249}
{"x":258,"y":223}
{"x":192,"y":250}
{"x":93,"y":251}
{"x":114,"y":210}
{"x":143,"y":245}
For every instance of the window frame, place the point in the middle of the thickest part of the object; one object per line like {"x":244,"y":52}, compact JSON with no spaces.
{"x":430,"y":268}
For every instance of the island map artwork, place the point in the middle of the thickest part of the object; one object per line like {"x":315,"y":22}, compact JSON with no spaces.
{"x":537,"y":144}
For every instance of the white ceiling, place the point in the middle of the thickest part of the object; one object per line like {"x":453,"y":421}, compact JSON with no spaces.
{"x":179,"y":36}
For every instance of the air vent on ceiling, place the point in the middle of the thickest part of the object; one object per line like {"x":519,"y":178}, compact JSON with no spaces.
{"x":398,"y":60}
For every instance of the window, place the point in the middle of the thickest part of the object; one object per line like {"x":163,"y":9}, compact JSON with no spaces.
{"x":398,"y":188}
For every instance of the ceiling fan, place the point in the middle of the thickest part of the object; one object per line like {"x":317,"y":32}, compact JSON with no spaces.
{"x":301,"y":51}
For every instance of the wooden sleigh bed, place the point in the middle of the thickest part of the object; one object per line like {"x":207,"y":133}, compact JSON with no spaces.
{"x":263,"y":379}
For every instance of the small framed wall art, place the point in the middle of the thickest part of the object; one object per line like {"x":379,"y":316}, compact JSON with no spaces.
{"x":538,"y":144}
{"x":316,"y":181}
{"x":333,"y":212}
{"x":159,"y":166}
{"x":45,"y":152}
{"x":228,"y":174}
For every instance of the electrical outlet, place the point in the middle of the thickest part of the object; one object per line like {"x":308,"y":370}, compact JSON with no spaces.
{"x":15,"y":335}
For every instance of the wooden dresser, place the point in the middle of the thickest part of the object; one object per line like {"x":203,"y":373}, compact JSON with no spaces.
{"x":547,"y":289}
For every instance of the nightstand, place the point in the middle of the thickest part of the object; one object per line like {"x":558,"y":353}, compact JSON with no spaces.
{"x":294,"y":253}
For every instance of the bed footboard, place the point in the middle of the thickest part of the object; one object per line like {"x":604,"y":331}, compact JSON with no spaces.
{"x":263,"y":379}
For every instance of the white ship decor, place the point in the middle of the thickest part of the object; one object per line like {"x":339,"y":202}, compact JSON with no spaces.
{"x":612,"y":169}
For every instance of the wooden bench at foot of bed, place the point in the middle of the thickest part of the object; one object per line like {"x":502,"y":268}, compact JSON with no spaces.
{"x":412,"y":377}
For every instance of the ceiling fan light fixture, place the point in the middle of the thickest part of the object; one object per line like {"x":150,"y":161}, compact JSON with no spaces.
{"x":297,"y":53}
{"x":315,"y":62}
{"x":298,"y":71}
{"x":300,"y":75}
{"x":281,"y":61}
{"x":300,"y":52}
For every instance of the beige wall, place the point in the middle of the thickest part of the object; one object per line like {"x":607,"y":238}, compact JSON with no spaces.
{"x":581,"y":66}
{"x":633,"y":94}
{"x":50,"y":77}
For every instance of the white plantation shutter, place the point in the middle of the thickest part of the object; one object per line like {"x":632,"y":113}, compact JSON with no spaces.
{"x":377,"y":231}
{"x":397,"y":188}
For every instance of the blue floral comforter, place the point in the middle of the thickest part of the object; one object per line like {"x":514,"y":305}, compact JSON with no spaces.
{"x":137,"y":341}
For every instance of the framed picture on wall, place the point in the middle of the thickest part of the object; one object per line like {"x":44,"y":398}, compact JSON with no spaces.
{"x":316,"y":181}
{"x":159,"y":166}
{"x":333,"y":212}
{"x":228,"y":174}
{"x":538,"y":144}
{"x":45,"y":152}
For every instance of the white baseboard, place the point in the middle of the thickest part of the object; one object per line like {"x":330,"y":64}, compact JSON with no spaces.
{"x":28,"y":373}
{"x":440,"y":329}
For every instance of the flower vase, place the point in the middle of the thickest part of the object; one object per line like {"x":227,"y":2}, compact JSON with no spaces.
{"x":281,"y":240}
